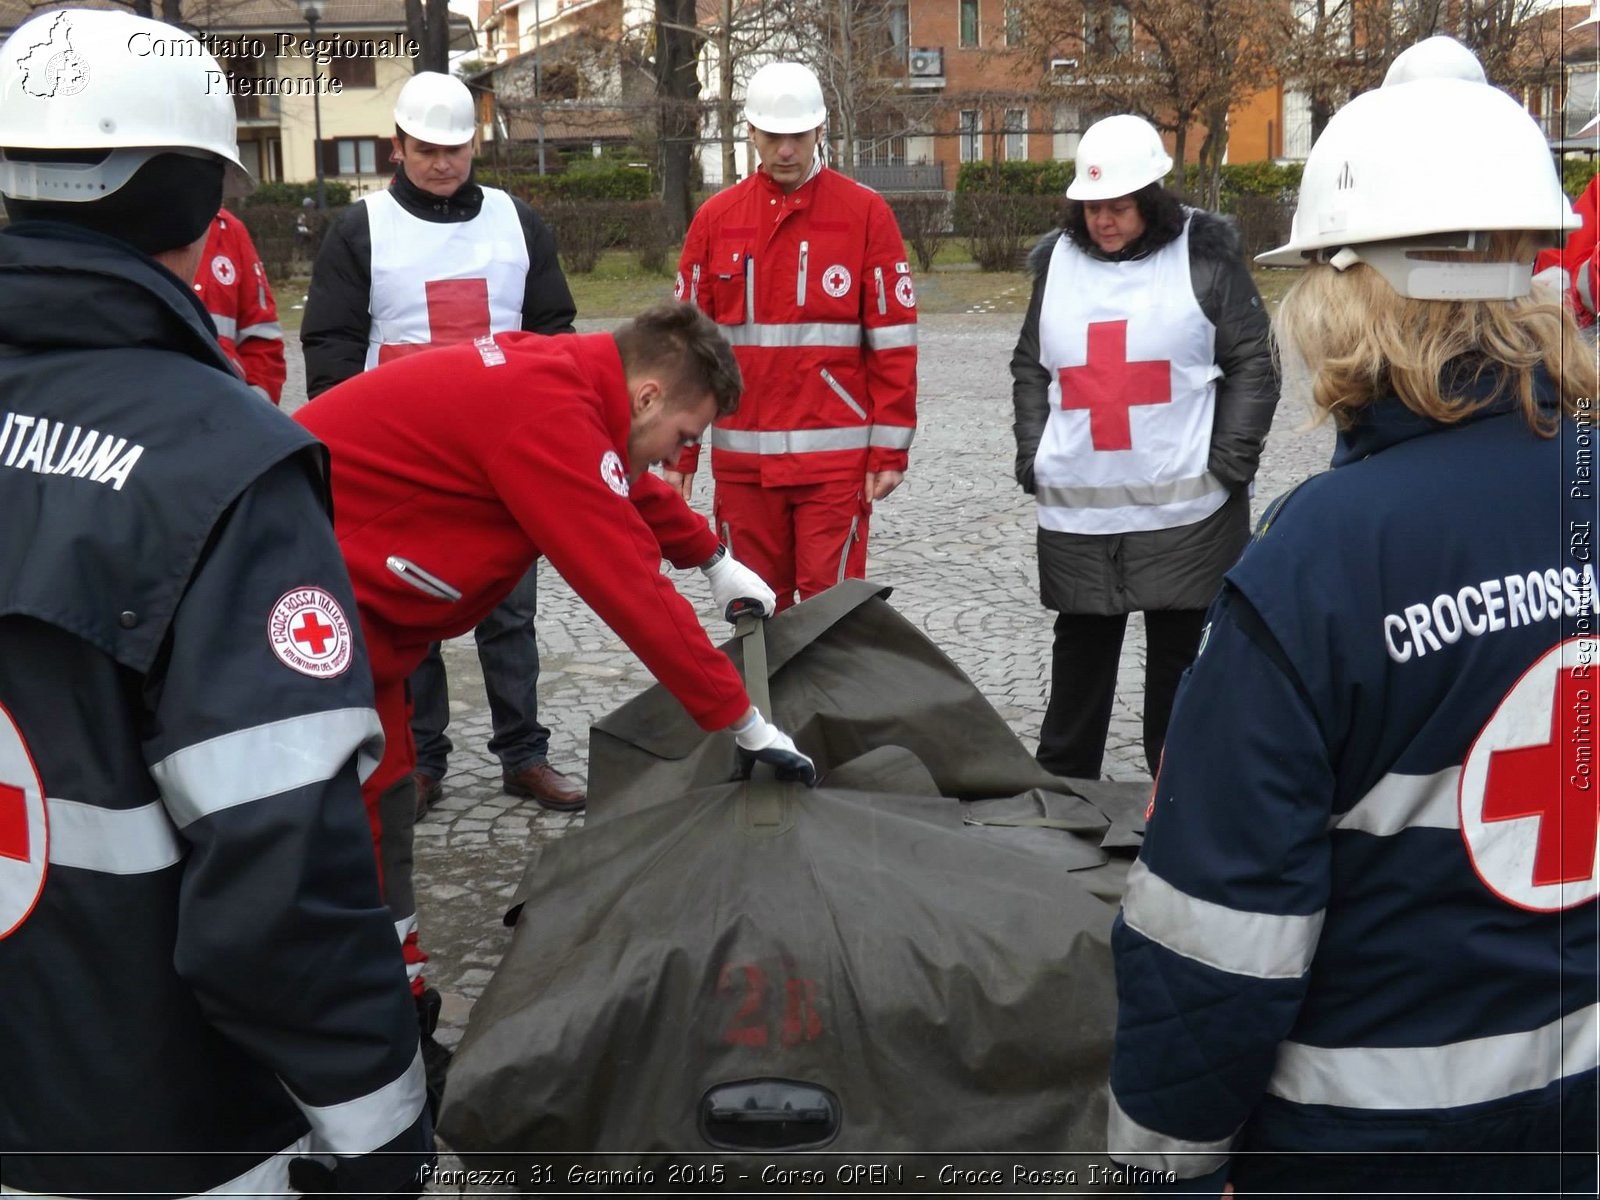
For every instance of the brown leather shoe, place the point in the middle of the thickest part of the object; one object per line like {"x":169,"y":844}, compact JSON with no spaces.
{"x":548,"y":786}
{"x":429,"y":792}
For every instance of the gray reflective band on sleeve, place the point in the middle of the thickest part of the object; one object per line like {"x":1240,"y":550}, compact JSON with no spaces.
{"x":1475,"y":1071}
{"x":362,"y":1125}
{"x":1400,"y":802}
{"x":891,"y":337}
{"x":269,"y":331}
{"x":1260,"y":945}
{"x":226,"y":327}
{"x":789,"y":441}
{"x":1130,"y":1142}
{"x":114,"y":841}
{"x":266,"y":760}
{"x":1128,"y":495}
{"x":813,"y":333}
{"x":892,"y":437}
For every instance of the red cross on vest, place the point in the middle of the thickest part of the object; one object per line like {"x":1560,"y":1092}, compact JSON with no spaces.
{"x":458,"y":311}
{"x":312,"y":632}
{"x":13,"y":823}
{"x":1108,"y":385}
{"x":1542,"y":781}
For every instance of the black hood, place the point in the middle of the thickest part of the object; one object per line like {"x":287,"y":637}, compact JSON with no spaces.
{"x":117,"y":297}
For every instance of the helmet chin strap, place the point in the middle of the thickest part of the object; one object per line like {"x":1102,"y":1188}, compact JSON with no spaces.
{"x":1426,"y":279}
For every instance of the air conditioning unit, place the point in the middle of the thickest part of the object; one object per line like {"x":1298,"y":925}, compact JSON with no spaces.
{"x":926,"y":62}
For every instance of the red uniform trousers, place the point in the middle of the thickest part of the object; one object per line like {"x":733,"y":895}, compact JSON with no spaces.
{"x":392,"y":813}
{"x":805,"y":538}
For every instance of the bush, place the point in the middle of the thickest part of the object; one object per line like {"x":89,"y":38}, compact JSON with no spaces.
{"x":1576,"y":174}
{"x":610,"y":181}
{"x":1015,"y":178}
{"x":1000,"y":227}
{"x":585,"y":228}
{"x":273,"y":195}
{"x":647,"y":235}
{"x":924,"y":223}
{"x":283,"y":249}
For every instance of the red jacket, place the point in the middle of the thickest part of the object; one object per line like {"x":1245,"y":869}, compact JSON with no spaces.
{"x":1578,"y":258}
{"x":814,"y":291}
{"x":232,"y":284}
{"x":441,"y":508}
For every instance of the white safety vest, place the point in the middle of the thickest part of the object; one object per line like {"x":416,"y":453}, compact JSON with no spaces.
{"x":1132,"y":362}
{"x":441,"y":284}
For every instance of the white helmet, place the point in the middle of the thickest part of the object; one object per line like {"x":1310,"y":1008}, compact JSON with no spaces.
{"x":1437,"y":57}
{"x":436,"y":108}
{"x":785,"y":97}
{"x":1402,"y":169}
{"x":85,"y":79}
{"x":1118,"y":156}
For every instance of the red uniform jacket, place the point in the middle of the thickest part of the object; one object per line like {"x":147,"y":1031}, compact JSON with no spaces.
{"x":441,"y":507}
{"x":814,"y":291}
{"x":232,"y":284}
{"x":1578,"y":258}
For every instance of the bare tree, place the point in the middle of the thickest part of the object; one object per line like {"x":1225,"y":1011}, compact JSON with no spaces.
{"x":1176,"y":64}
{"x":677,"y":46}
{"x":428,"y":24}
{"x":1344,"y":47}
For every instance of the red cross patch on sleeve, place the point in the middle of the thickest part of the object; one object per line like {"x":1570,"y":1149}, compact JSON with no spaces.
{"x":309,"y":633}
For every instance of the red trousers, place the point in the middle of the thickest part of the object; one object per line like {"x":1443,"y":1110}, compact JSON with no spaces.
{"x":800,"y":539}
{"x":392,"y":815}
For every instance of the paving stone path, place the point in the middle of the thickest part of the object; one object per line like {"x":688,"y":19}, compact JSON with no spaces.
{"x":956,"y":542}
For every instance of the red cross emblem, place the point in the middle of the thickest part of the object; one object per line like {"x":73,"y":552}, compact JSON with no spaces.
{"x":312,"y":633}
{"x":1530,"y":795}
{"x":308,"y":631}
{"x":24,"y":829}
{"x":1108,"y":385}
{"x":458,"y":311}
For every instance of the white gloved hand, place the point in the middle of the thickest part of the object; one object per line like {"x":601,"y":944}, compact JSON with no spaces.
{"x":731,"y":580}
{"x":760,"y":740}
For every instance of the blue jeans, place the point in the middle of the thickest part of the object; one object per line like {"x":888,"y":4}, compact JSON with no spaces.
{"x":509,"y":656}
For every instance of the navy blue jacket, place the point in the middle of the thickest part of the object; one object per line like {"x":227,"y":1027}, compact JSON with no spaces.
{"x":193,"y":952}
{"x":1363,"y":917}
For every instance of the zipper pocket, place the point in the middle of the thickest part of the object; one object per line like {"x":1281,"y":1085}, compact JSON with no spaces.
{"x":883,"y":299}
{"x":427,"y":584}
{"x":800,"y":281}
{"x":838,"y":390}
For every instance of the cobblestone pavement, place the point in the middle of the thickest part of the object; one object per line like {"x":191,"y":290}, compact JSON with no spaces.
{"x":956,"y":541}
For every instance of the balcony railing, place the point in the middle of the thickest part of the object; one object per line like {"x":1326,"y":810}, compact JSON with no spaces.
{"x":921,"y":177}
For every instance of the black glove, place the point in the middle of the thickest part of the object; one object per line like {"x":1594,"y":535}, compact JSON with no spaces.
{"x":762,"y":741}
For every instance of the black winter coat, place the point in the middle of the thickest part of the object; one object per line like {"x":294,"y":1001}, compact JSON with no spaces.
{"x":338,"y":307}
{"x":1161,"y":569}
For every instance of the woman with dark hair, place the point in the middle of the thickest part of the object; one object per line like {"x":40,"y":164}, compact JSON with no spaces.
{"x":1144,"y":387}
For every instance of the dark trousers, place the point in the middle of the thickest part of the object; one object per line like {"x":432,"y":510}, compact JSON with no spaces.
{"x":509,"y":656}
{"x":1083,"y":685}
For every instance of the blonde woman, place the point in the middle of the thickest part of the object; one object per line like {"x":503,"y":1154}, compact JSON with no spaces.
{"x":1360,"y":940}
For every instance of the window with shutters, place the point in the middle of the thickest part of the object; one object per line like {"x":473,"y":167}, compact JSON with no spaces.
{"x":1016,"y":130}
{"x":354,"y":72}
{"x":355,"y":156}
{"x":969,"y":22}
{"x":970,"y":132}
